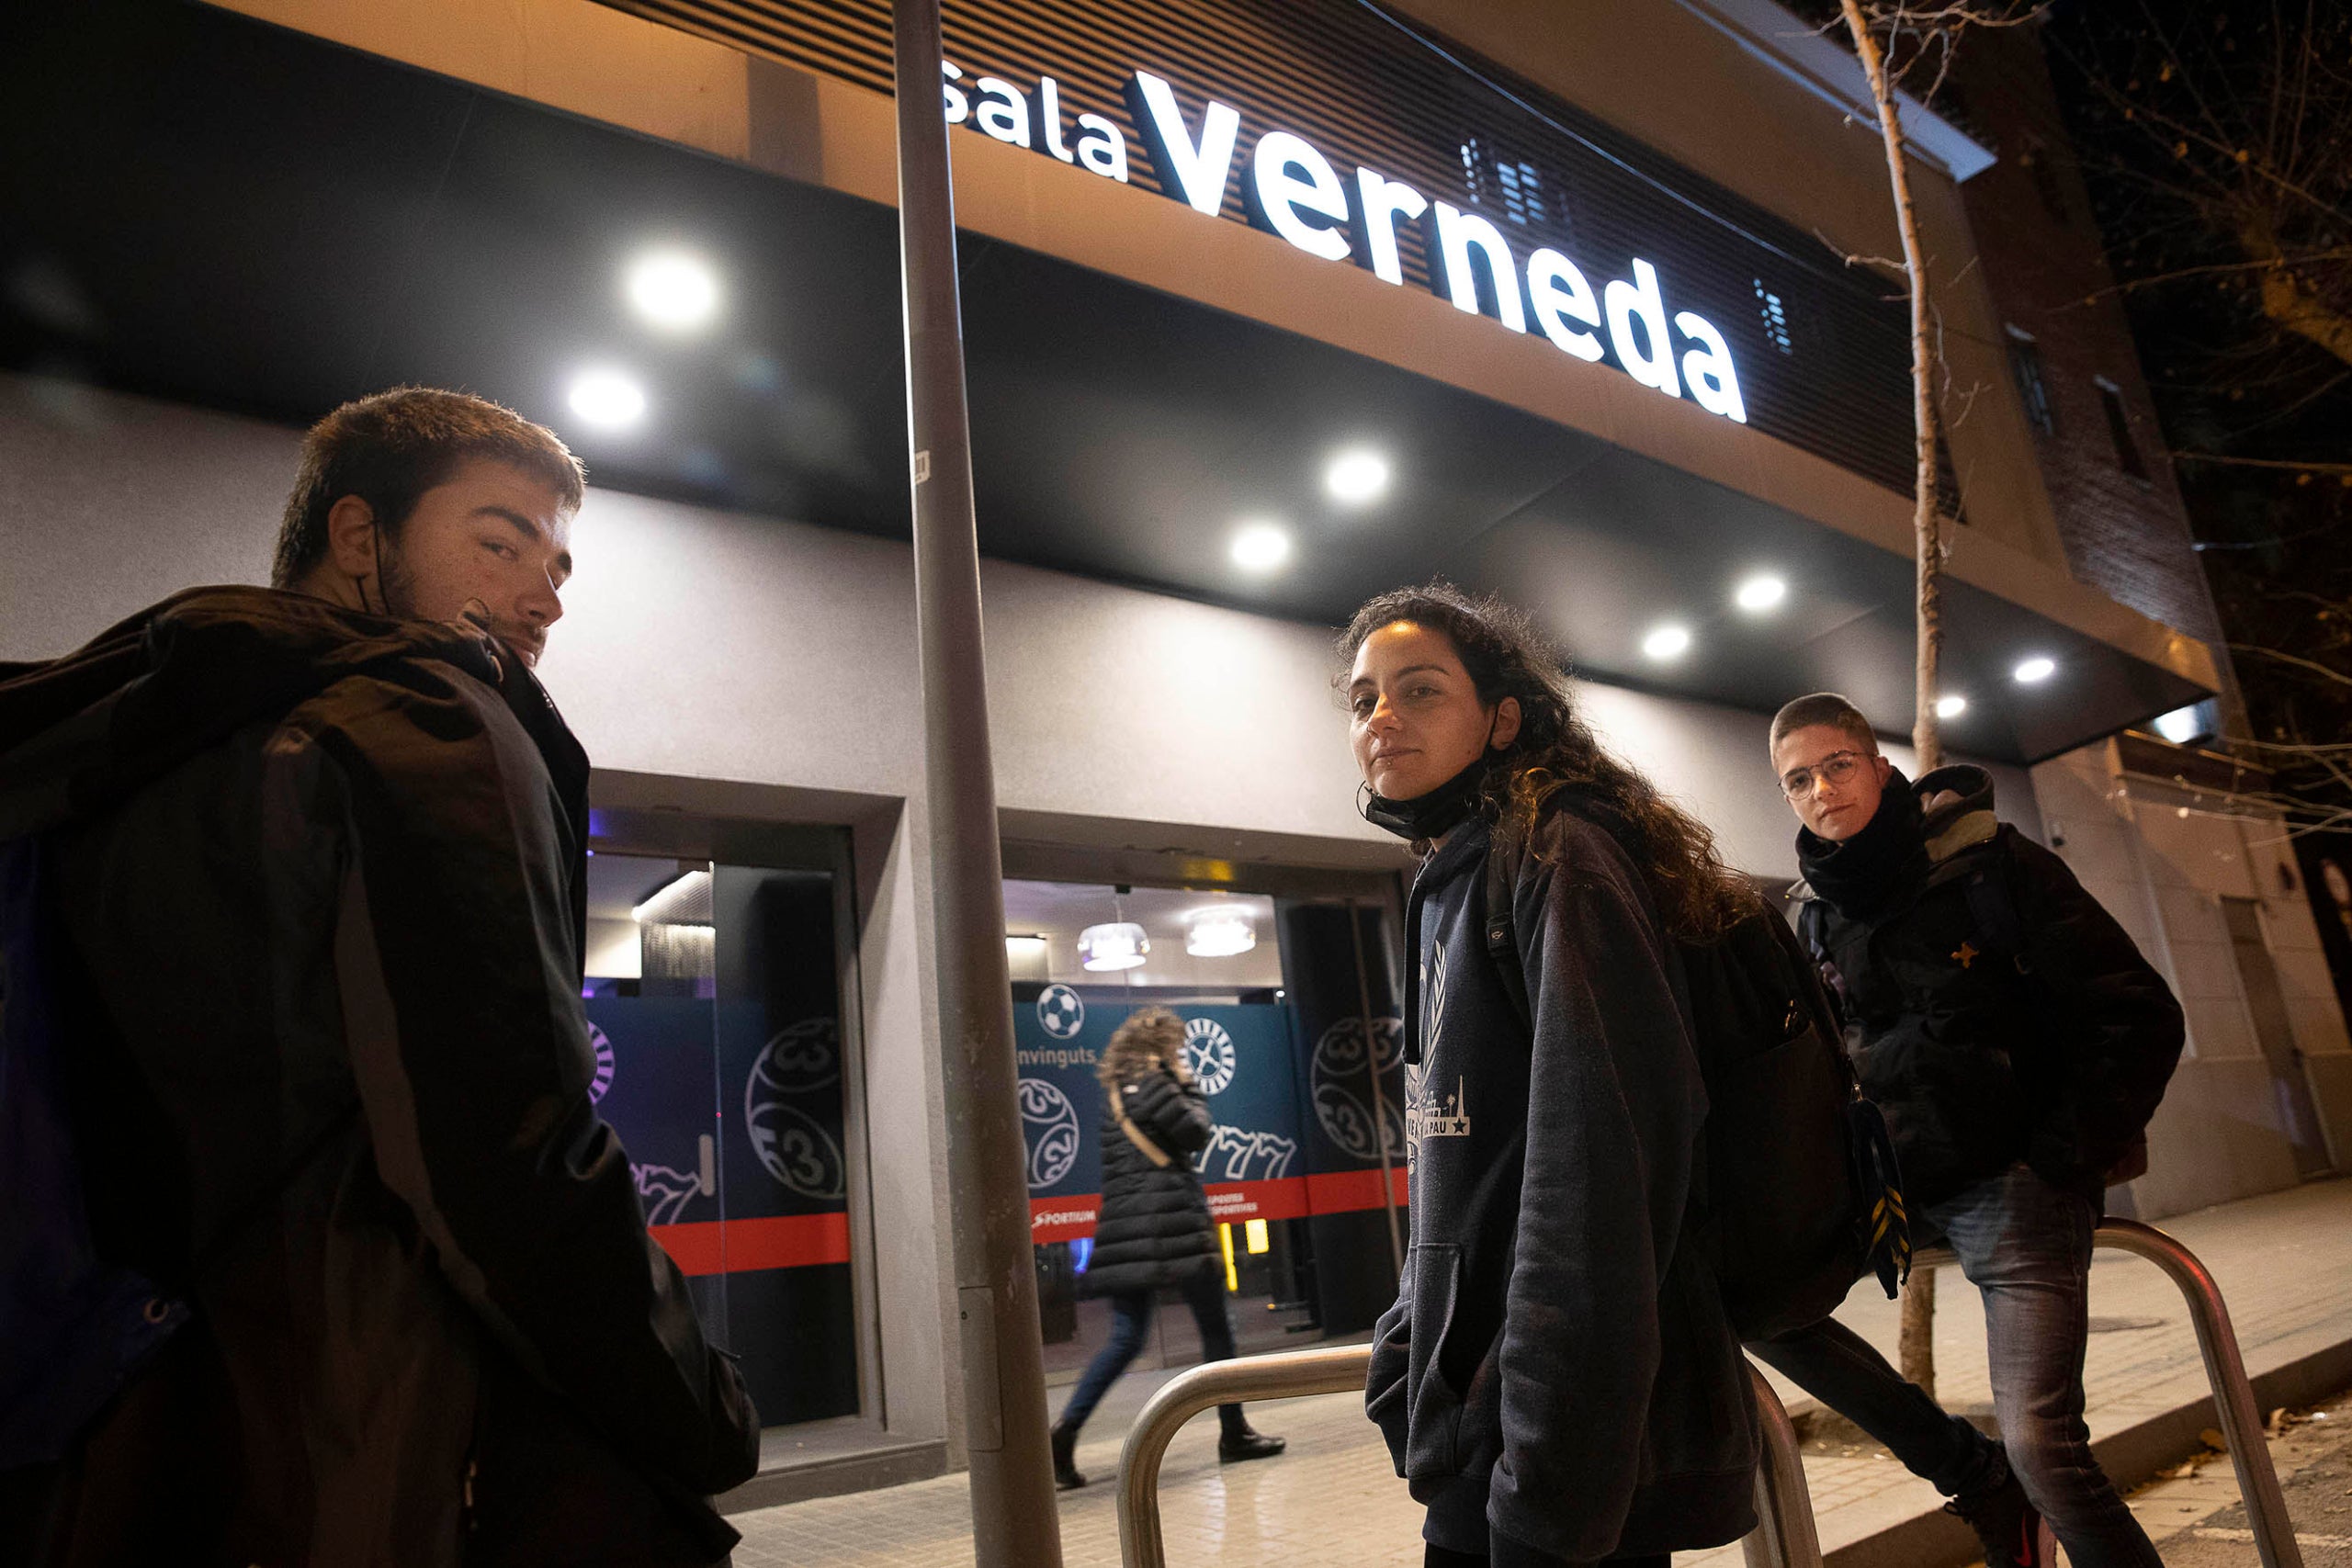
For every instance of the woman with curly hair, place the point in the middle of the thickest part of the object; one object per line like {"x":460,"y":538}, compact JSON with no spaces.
{"x":1557,"y":1381}
{"x":1153,"y":1228}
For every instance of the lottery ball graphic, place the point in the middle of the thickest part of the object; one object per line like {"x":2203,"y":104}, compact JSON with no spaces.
{"x":603,"y":1045}
{"x":1049,"y":1123}
{"x":1342,"y":1086}
{"x":791,"y":1079}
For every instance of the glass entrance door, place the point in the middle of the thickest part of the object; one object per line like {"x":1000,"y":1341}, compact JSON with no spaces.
{"x":714,"y":1001}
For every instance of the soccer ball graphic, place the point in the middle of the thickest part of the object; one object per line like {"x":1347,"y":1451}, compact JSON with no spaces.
{"x":1050,"y":1123}
{"x":1208,"y":1053}
{"x":1061,"y":1013}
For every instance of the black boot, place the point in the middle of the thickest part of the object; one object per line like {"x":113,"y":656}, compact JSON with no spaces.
{"x":1066,"y":1476}
{"x":1239,"y":1443}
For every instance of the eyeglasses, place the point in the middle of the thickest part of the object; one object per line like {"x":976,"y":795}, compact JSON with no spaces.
{"x":1833,"y":770}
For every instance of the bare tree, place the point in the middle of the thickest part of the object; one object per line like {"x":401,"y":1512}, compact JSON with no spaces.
{"x":1891,"y":38}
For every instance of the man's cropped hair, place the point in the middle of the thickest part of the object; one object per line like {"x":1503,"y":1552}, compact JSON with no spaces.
{"x":390,"y":448}
{"x":1824,"y":708}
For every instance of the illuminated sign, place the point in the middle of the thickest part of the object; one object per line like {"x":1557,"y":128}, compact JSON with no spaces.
{"x":1291,"y":189}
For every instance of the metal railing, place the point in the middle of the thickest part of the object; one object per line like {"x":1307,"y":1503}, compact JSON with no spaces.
{"x":1784,"y":1536}
{"x":2241,"y":1418}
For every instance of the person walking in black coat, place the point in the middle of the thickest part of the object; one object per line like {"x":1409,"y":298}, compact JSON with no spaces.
{"x":2018,"y":1042}
{"x":1154,"y":1229}
{"x":1558,"y":1381}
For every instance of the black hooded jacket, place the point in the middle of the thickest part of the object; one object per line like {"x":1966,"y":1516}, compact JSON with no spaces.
{"x":321,"y":876}
{"x":1558,"y":1381}
{"x":1993,"y":1010}
{"x":1153,"y":1228}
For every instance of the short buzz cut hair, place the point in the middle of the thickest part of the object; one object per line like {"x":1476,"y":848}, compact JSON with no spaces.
{"x":1824,"y":708}
{"x":390,"y":447}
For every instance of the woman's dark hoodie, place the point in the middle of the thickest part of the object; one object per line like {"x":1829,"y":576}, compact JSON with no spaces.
{"x":1557,"y":1380}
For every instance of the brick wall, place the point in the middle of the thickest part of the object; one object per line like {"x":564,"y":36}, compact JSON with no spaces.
{"x":2042,"y":253}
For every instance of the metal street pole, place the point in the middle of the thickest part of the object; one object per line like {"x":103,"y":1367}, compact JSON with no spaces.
{"x":1014,"y":1524}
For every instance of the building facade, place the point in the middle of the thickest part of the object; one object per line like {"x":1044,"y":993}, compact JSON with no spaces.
{"x":1575,"y":288}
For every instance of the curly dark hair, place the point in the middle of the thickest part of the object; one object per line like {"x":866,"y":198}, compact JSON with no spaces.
{"x":1506,"y":656}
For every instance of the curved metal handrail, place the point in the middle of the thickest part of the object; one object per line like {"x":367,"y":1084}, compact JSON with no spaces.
{"x":1784,"y":1536}
{"x":2217,"y":1342}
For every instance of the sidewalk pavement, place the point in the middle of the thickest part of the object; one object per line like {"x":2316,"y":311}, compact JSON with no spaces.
{"x":2284,"y":1263}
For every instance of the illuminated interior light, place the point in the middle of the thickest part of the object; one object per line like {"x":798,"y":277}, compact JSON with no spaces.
{"x":1260,"y":547}
{"x":1667,"y":642}
{"x":1950,"y":706}
{"x":2035,"y":670}
{"x":607,"y":399}
{"x":1761,"y":593}
{"x":1253,"y":1236}
{"x":673,"y":290}
{"x":2181,"y":726}
{"x":1119,"y":945}
{"x":1219,"y":932}
{"x":1356,"y":477}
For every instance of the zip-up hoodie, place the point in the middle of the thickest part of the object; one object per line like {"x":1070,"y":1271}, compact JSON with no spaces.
{"x":1557,"y":1381}
{"x":319,"y":873}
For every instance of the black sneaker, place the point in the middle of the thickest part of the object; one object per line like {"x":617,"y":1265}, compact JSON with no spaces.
{"x":1236,"y":1448}
{"x":2005,"y":1521}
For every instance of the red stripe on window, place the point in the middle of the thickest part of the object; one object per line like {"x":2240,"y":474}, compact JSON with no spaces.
{"x":738,"y":1246}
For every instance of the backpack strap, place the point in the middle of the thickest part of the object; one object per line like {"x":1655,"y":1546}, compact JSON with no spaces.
{"x":1504,"y":854}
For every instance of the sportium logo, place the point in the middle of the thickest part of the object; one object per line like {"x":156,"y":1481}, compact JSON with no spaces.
{"x":1289,"y":188}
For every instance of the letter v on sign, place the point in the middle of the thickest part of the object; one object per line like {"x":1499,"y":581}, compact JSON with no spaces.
{"x":1195,"y":169}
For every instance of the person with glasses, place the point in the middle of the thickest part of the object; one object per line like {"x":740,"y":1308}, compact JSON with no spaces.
{"x":2018,"y":1042}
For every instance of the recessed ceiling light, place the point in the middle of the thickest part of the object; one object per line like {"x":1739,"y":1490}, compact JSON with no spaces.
{"x":1260,"y":547}
{"x":1667,"y":642}
{"x":1950,"y":707}
{"x":1356,"y":477}
{"x":1760,"y":592}
{"x":607,"y":399}
{"x":673,"y":290}
{"x":2036,"y":669}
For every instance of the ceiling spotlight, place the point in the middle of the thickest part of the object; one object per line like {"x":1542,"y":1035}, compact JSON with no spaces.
{"x":1356,"y":477}
{"x":1260,"y":547}
{"x":2181,"y":726}
{"x":1950,"y":707}
{"x":1120,"y":945}
{"x":1219,"y":932}
{"x":673,"y":290}
{"x":2035,"y":670}
{"x":1760,"y":594}
{"x":1667,"y":642}
{"x":607,"y":399}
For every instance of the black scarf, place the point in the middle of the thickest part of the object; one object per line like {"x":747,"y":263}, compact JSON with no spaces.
{"x":1430,"y":815}
{"x":1862,"y":876}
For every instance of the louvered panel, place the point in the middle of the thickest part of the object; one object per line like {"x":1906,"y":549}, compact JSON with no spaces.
{"x":1823,"y":363}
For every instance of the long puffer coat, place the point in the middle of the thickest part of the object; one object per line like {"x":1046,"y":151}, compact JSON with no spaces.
{"x":1154,"y":1229}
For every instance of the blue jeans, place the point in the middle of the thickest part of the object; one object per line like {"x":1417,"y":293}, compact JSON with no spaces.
{"x":2025,"y":1244}
{"x":1131,"y":1324}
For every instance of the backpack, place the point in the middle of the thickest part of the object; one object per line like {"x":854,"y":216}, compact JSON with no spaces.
{"x":75,"y":1327}
{"x":1800,"y":1195}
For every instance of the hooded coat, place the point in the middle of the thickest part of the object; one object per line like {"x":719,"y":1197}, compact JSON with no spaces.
{"x":1153,"y":1228}
{"x":318,"y":876}
{"x":1992,"y":1008}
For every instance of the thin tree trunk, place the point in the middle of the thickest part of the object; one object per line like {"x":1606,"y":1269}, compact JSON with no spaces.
{"x":1918,"y":1346}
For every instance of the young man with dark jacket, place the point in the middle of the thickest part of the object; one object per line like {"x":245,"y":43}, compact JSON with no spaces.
{"x":2018,"y":1042}
{"x":314,"y":857}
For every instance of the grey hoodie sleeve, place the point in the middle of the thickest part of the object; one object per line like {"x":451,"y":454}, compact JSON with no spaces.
{"x":1615,"y":1105}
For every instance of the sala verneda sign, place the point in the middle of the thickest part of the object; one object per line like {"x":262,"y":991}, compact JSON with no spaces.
{"x":1291,"y":189}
